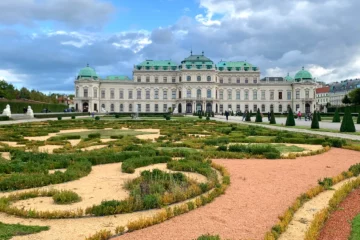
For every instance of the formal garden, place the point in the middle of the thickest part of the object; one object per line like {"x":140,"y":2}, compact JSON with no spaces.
{"x":103,"y":177}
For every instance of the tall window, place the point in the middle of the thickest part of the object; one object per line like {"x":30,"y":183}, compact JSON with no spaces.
{"x":263,"y":95}
{"x":121,"y":107}
{"x":229,"y":94}
{"x":147,"y":94}
{"x":246,"y":107}
{"x":263,"y":108}
{"x":271,"y":107}
{"x":238,"y":108}
{"x":255,"y":108}
{"x":77,"y":92}
{"x":130,"y":107}
{"x":147,"y":79}
{"x":164,"y":94}
{"x":198,"y":78}
{"x":173,"y":79}
{"x":103,"y":106}
{"x":139,"y":107}
{"x":121,"y":94}
{"x":221,"y":108}
{"x":188,"y":78}
{"x":95,"y":93}
{"x":188,"y":93}
{"x":297,"y":94}
{"x":229,"y":80}
{"x":297,"y":107}
{"x":112,"y":107}
{"x":280,"y":108}
{"x":112,"y":93}
{"x":147,"y":107}
{"x":271,"y":95}
{"x":165,"y":108}
{"x":156,"y":79}
{"x":130,"y":94}
{"x":307,"y":93}
{"x":85,"y":92}
{"x":173,"y":94}
{"x":255,"y":80}
{"x":221,"y":95}
{"x":229,"y":107}
{"x":208,"y":93}
{"x":246,"y":94}
{"x":208,"y":78}
{"x":138,"y":79}
{"x":237,"y":80}
{"x":246,"y":80}
{"x":198,"y":93}
{"x":280,"y":95}
{"x":288,"y":95}
{"x":237,"y":95}
{"x":138,"y":94}
{"x":221,"y":80}
{"x":156,"y":107}
{"x":102,"y":93}
{"x":156,"y":94}
{"x":165,"y":79}
{"x":255,"y":95}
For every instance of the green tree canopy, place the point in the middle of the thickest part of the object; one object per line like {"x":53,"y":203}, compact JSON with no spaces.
{"x":354,"y":96}
{"x":346,"y":99}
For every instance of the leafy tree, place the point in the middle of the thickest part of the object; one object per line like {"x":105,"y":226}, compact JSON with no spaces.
{"x":354,"y":96}
{"x":315,"y":121}
{"x":318,"y":116}
{"x":346,"y":100}
{"x":258,"y":116}
{"x":347,"y":124}
{"x":336,"y":117}
{"x":328,"y":105}
{"x":272,"y":117}
{"x":290,"y":121}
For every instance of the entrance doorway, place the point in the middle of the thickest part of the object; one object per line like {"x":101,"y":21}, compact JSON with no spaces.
{"x":198,"y":107}
{"x":307,"y":108}
{"x":179,"y":108}
{"x":208,"y":107}
{"x":188,"y":108}
{"x":216,"y":110}
{"x":85,"y":107}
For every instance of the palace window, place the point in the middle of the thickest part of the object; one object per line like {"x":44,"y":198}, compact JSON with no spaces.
{"x":121,"y":94}
{"x":229,"y":107}
{"x":156,"y":79}
{"x":255,"y":95}
{"x":221,"y":95}
{"x":121,"y":107}
{"x":95,"y":93}
{"x":85,"y":92}
{"x":271,"y":95}
{"x":255,"y":108}
{"x":280,"y":95}
{"x":297,"y":107}
{"x":208,"y":78}
{"x":246,"y":107}
{"x":147,"y":79}
{"x":103,"y":93}
{"x":103,"y":106}
{"x":288,"y":95}
{"x":147,"y":94}
{"x":198,"y":78}
{"x":297,"y":94}
{"x":130,"y":107}
{"x":229,"y":80}
{"x":307,"y":93}
{"x":138,"y":79}
{"x":138,"y":94}
{"x":255,"y":80}
{"x":238,"y":108}
{"x":229,"y":94}
{"x":221,"y":108}
{"x":139,"y":107}
{"x":246,"y":80}
{"x":238,"y":95}
{"x":263,"y":108}
{"x":164,"y":94}
{"x":147,"y":107}
{"x":208,"y":93}
{"x":156,"y":107}
{"x":280,"y":108}
{"x":246,"y":94}
{"x":271,"y":107}
{"x":188,"y":78}
{"x":237,"y":80}
{"x":263,"y":95}
{"x":112,"y":93}
{"x":221,"y":80}
{"x":173,"y":79}
{"x":165,"y":108}
{"x":112,"y":107}
{"x":156,"y":94}
{"x":198,"y":93}
{"x":188,"y":93}
{"x":173,"y":94}
{"x":130,"y":94}
{"x":165,"y":79}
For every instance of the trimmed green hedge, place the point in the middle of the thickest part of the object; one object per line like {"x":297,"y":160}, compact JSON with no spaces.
{"x":17,"y":107}
{"x":4,"y":118}
{"x":50,"y":115}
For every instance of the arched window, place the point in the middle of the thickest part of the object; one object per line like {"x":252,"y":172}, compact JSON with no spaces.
{"x":77,"y":92}
{"x":198,"y":78}
{"x":86,"y":92}
{"x":102,"y":106}
{"x":198,"y":93}
{"x":208,"y":78}
{"x":121,"y":107}
{"x":95,"y":93}
{"x":188,"y":78}
{"x":130,"y":107}
{"x":112,"y":108}
{"x":280,"y":108}
{"x":208,"y":93}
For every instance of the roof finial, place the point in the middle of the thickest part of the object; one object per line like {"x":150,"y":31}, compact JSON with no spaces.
{"x":202,"y":53}
{"x":191,"y":52}
{"x":303,"y":68}
{"x":87,"y":65}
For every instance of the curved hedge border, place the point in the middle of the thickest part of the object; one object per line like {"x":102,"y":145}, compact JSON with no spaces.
{"x":320,"y":218}
{"x":286,"y":218}
{"x":171,"y":211}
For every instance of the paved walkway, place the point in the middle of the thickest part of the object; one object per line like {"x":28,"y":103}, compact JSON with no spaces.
{"x":328,"y":134}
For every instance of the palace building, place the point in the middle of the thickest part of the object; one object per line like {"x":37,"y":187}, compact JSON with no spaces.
{"x":197,"y":83}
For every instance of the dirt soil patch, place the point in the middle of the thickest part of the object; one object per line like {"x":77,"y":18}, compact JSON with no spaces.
{"x":155,"y":133}
{"x":74,"y":142}
{"x":6,"y":155}
{"x":93,"y":147}
{"x":13,"y":144}
{"x":44,"y":138}
{"x":338,"y":226}
{"x":49,"y":148}
{"x":259,"y":192}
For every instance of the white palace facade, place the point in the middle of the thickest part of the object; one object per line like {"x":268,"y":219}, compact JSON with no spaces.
{"x":196,"y":84}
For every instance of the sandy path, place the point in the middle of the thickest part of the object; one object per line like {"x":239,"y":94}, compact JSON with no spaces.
{"x":260,"y":191}
{"x":338,"y":226}
{"x":74,"y":142}
{"x":49,"y":148}
{"x":106,"y":140}
{"x":6,"y":155}
{"x":93,"y":147}
{"x":13,"y":144}
{"x":155,"y":133}
{"x":305,"y":215}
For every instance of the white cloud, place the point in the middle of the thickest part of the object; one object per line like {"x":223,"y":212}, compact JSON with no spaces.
{"x":11,"y":76}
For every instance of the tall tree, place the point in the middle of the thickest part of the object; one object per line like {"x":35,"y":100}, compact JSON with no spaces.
{"x":258,"y":116}
{"x":272,"y":117}
{"x":336,"y":117}
{"x":355,"y":96}
{"x":346,"y":99}
{"x":347,"y":124}
{"x":315,"y":121}
{"x":290,"y":121}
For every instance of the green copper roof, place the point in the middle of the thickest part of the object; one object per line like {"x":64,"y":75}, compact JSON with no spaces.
{"x":117,"y":78}
{"x":87,"y":72}
{"x":162,"y":63}
{"x":200,"y":59}
{"x":303,"y":74}
{"x":289,"y":78}
{"x":235,"y":66}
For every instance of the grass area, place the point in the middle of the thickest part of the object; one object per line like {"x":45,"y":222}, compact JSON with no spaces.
{"x":170,"y":149}
{"x":285,"y":149}
{"x":107,"y":133}
{"x":7,"y":231}
{"x":355,"y":228}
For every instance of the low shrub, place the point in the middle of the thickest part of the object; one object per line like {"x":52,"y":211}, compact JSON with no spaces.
{"x":94,"y":135}
{"x":101,"y":235}
{"x":272,"y":155}
{"x":4,"y":118}
{"x":168,"y":118}
{"x":97,"y":118}
{"x":73,"y":117}
{"x":209,"y":237}
{"x":129,"y":165}
{"x":59,"y":118}
{"x":200,"y":117}
{"x":222,"y":148}
{"x":66,"y":197}
{"x":117,"y":137}
{"x":117,"y":116}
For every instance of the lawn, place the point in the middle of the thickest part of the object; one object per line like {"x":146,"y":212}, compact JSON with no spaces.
{"x":7,"y":231}
{"x":107,"y":133}
{"x":285,"y":149}
{"x":355,"y":229}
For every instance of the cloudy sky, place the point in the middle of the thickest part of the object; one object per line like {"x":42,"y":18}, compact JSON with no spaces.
{"x":44,"y":43}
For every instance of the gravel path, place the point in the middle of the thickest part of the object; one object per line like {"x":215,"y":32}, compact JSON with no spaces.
{"x":260,"y":191}
{"x":328,"y":134}
{"x":338,"y":226}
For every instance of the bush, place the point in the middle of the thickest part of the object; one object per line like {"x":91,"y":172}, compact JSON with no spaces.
{"x":207,"y":118}
{"x":222,"y":148}
{"x":59,"y":118}
{"x":315,"y":121}
{"x":272,"y":155}
{"x":94,"y":135}
{"x":117,"y":115}
{"x":209,"y":237}
{"x":319,"y":116}
{"x":97,"y":118}
{"x":272,"y":117}
{"x":200,"y":117}
{"x":151,"y":201}
{"x":167,"y":117}
{"x":129,"y":165}
{"x":248,"y":116}
{"x":73,"y":117}
{"x":4,"y":118}
{"x":258,"y":116}
{"x":347,"y":124}
{"x":66,"y":197}
{"x":355,"y":169}
{"x":336,"y":117}
{"x":290,"y":121}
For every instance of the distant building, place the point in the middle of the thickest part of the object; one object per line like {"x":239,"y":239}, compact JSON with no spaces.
{"x":197,"y":83}
{"x":322,"y":98}
{"x":338,"y":90}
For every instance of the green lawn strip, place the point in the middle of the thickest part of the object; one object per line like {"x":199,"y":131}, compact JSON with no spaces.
{"x":7,"y":231}
{"x":107,"y":133}
{"x":285,"y":149}
{"x":355,"y":228}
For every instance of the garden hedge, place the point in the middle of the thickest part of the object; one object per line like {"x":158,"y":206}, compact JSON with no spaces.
{"x":17,"y":107}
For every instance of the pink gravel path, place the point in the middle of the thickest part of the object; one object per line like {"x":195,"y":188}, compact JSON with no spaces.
{"x":260,"y":191}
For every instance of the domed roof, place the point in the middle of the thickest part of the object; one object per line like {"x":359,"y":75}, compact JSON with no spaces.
{"x":87,"y":72}
{"x":303,"y":75}
{"x":288,"y":78}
